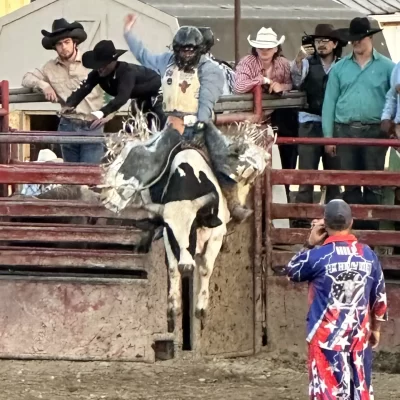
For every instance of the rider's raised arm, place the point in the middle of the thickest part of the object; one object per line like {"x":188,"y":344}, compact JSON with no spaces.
{"x":157,"y":62}
{"x":211,"y":80}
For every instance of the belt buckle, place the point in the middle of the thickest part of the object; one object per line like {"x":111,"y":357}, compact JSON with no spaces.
{"x":189,"y":120}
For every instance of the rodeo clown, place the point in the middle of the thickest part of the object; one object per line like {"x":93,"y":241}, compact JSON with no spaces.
{"x":191,"y":85}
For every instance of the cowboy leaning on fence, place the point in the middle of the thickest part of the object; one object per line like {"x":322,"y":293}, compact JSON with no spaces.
{"x":58,"y":78}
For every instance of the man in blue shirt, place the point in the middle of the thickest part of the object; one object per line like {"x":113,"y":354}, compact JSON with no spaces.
{"x":353,"y":104}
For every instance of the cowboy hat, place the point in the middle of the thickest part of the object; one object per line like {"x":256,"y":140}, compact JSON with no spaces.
{"x":102,"y":54}
{"x":266,"y":39}
{"x":61,"y":29}
{"x":329,"y":32}
{"x":359,"y":29}
{"x":46,"y":155}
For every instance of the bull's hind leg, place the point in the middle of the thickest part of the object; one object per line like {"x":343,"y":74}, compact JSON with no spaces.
{"x":206,"y":267}
{"x":174,"y":295}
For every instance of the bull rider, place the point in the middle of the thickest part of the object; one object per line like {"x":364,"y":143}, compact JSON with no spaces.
{"x":192,"y":84}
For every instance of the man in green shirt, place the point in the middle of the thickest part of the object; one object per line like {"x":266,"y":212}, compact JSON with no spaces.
{"x":353,"y":104}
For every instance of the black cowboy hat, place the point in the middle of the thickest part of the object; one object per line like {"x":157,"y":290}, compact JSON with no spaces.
{"x":62,"y":29}
{"x":329,"y":32}
{"x":102,"y":54}
{"x":359,"y":29}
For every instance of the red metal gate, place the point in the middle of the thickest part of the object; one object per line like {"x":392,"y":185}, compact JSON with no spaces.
{"x":287,"y":315}
{"x":76,"y":302}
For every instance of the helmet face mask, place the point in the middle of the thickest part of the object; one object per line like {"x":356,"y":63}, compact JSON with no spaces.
{"x":188,"y":47}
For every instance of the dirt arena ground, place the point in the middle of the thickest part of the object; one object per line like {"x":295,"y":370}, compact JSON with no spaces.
{"x":266,"y":377}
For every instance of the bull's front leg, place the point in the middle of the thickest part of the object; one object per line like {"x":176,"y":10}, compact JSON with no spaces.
{"x":206,"y":267}
{"x":174,"y":295}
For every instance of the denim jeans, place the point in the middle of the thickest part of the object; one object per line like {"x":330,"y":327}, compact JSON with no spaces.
{"x":91,"y":153}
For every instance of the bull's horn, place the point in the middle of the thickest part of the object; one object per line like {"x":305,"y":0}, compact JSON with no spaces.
{"x":203,"y":200}
{"x":155,"y":208}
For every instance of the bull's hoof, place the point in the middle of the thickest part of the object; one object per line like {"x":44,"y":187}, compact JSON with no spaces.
{"x":186,"y":269}
{"x":200,"y":313}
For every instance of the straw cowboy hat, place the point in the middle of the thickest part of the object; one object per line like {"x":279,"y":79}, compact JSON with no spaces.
{"x":266,"y":39}
{"x":102,"y":54}
{"x":46,"y":155}
{"x":62,"y":29}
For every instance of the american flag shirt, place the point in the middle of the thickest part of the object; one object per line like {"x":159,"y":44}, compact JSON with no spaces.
{"x":346,"y":288}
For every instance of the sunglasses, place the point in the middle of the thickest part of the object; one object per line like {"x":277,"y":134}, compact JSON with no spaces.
{"x":322,"y":40}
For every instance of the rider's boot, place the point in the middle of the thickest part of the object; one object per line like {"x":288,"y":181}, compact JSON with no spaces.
{"x":238,"y":212}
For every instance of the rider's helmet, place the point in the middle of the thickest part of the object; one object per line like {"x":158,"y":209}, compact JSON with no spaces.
{"x":208,"y":36}
{"x":188,"y":46}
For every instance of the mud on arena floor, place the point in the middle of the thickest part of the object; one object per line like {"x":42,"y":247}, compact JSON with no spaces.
{"x":266,"y":377}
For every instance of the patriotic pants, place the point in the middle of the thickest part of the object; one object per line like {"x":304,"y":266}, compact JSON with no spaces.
{"x":335,"y":375}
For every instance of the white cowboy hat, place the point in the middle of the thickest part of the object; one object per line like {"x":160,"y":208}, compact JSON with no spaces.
{"x":46,"y":155}
{"x":266,"y":39}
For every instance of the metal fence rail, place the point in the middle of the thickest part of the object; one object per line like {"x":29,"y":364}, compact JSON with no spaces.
{"x":291,"y":236}
{"x":231,"y":103}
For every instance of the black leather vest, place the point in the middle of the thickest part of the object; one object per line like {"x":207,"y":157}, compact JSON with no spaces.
{"x":314,"y":85}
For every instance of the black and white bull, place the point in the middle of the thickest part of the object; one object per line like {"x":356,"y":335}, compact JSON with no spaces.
{"x":195,"y":215}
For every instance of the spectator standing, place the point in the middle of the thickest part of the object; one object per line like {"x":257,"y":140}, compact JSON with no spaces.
{"x":391,"y":125}
{"x":310,"y":74}
{"x":353,"y":104}
{"x":58,"y":78}
{"x":267,"y":66}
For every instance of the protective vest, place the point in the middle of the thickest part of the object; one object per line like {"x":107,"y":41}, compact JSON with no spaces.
{"x":180,"y":91}
{"x":314,"y":85}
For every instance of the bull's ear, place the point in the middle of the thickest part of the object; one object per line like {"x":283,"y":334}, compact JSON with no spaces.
{"x":155,"y":208}
{"x":204,"y":200}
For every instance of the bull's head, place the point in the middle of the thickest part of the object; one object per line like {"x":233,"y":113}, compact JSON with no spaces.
{"x":180,"y":221}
